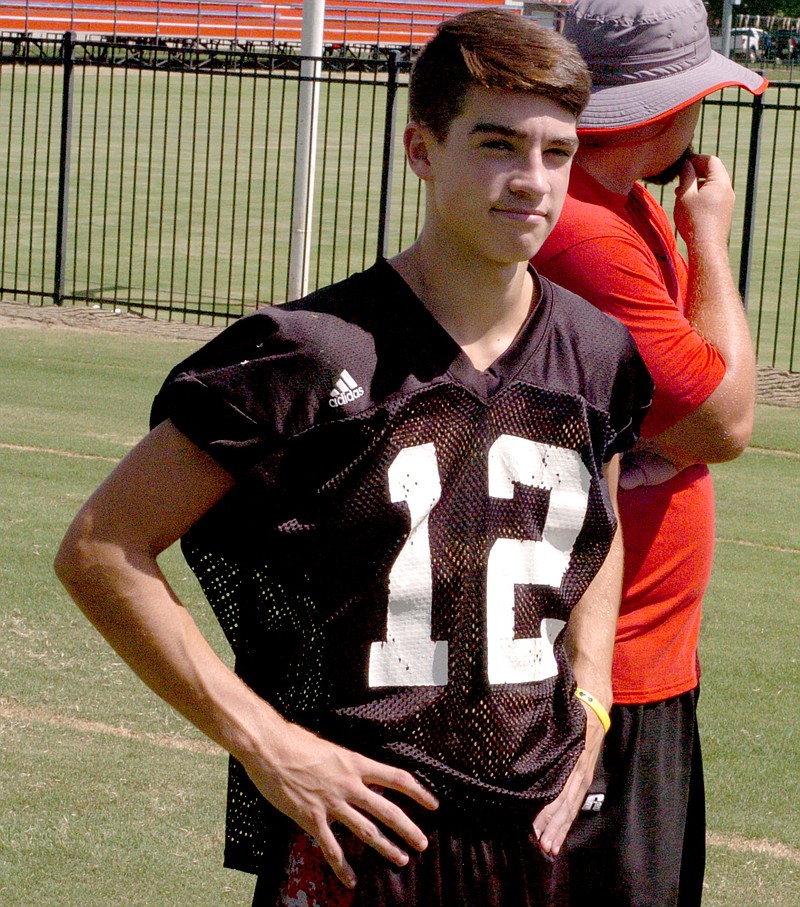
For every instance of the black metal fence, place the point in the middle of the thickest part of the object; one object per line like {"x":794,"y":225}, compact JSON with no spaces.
{"x":160,"y":178}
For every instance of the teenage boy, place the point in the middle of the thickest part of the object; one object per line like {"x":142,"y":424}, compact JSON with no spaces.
{"x":399,"y":497}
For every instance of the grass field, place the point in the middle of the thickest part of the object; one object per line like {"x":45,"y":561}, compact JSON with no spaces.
{"x":107,"y":797}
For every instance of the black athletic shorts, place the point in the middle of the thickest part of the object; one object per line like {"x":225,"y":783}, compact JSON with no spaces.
{"x":645,"y":846}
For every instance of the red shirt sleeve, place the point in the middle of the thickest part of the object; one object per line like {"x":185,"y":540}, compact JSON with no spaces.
{"x":597,"y":254}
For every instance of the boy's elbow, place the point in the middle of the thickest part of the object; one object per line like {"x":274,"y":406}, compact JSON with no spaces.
{"x":75,"y":557}
{"x":67,"y":562}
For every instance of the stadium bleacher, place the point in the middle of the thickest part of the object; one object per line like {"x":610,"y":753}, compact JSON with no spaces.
{"x":358,"y":23}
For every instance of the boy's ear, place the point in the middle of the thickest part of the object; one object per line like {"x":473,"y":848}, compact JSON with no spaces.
{"x":416,"y":140}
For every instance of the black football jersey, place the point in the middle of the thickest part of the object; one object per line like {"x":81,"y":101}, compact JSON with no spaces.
{"x":407,"y":535}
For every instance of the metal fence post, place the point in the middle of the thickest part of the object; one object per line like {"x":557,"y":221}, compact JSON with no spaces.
{"x":63,"y":166}
{"x":388,"y":156}
{"x":748,"y":227}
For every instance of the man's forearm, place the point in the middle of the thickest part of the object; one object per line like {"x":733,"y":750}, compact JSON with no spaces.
{"x":720,"y":427}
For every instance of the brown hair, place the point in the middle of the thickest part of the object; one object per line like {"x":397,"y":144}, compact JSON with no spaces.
{"x":497,"y":49}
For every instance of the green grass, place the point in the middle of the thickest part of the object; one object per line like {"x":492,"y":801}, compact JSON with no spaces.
{"x":775,"y":427}
{"x":77,"y":380}
{"x":93,"y":818}
{"x":750,"y":711}
{"x":89,"y":818}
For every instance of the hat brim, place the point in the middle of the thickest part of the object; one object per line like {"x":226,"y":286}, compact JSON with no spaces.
{"x":620,"y":107}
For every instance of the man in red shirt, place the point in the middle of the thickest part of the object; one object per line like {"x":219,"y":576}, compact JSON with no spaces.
{"x":614,"y":245}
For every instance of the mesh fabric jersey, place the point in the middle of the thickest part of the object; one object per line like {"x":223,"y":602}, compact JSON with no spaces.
{"x":407,"y":535}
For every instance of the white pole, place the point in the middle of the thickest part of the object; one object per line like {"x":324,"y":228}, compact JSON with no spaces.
{"x":727,"y":17}
{"x":305,"y":153}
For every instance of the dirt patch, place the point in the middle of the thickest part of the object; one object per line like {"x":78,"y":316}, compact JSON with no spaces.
{"x":116,"y":321}
{"x":755,"y":846}
{"x":775,"y":387}
{"x":778,"y":388}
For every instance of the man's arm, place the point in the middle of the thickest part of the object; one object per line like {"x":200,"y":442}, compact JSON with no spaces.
{"x":590,"y":645}
{"x":108,"y":563}
{"x":720,"y":428}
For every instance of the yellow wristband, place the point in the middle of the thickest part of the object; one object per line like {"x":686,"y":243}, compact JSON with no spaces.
{"x":596,"y":706}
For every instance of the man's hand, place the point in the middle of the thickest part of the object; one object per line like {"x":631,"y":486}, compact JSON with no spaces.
{"x":555,"y":820}
{"x":647,"y":464}
{"x":704,"y":202}
{"x":316,"y":783}
{"x":646,"y":468}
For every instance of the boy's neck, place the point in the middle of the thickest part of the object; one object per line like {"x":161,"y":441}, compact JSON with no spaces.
{"x":481,"y":307}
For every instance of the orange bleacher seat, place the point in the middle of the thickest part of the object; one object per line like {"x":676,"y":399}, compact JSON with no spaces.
{"x":349,"y":22}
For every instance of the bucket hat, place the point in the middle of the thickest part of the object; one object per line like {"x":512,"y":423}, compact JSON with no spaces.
{"x":648,"y":60}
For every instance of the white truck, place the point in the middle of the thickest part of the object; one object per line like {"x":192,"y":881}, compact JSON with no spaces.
{"x":747,"y":42}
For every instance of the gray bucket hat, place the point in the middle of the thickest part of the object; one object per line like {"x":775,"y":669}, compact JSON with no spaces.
{"x":648,"y":60}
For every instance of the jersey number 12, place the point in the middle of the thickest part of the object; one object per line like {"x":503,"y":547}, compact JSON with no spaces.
{"x":409,"y":656}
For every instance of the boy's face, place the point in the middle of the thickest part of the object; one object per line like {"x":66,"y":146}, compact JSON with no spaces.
{"x":497,"y":183}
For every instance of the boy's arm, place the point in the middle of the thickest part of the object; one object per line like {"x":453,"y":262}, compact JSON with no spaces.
{"x":108,"y":564}
{"x":590,"y":645}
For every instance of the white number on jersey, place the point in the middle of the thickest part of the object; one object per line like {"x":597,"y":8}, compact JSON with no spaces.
{"x":408,"y":656}
{"x":520,"y":561}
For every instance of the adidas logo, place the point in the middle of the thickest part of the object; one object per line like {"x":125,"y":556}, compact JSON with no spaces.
{"x":346,"y":390}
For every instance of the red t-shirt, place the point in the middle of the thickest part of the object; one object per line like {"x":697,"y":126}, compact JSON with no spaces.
{"x":619,"y":252}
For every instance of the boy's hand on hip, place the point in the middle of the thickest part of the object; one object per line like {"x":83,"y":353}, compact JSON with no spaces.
{"x":555,"y":820}
{"x":316,"y":783}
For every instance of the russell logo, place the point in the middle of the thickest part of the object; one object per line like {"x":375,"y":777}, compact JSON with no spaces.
{"x":593,"y":803}
{"x":346,"y":390}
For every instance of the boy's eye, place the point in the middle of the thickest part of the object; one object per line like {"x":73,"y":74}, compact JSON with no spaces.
{"x":497,"y":144}
{"x":559,"y":152}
